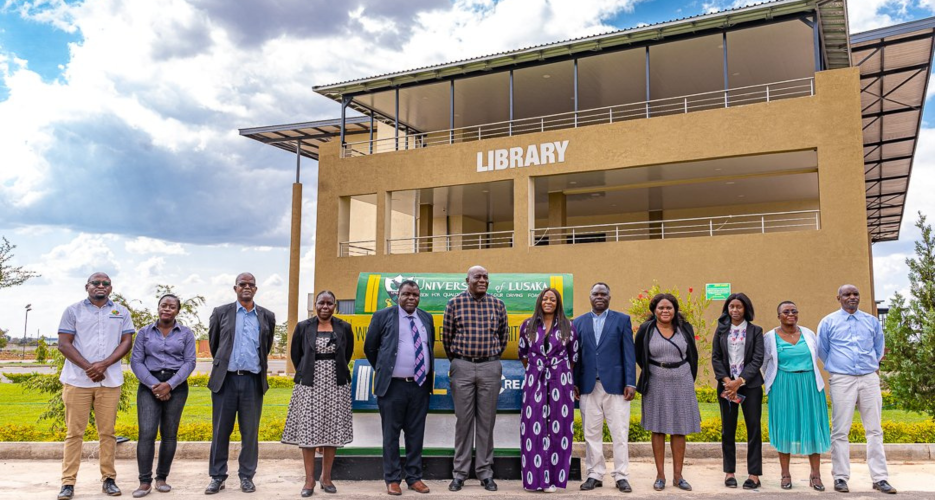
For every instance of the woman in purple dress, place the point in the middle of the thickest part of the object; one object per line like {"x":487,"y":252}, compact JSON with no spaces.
{"x":548,"y":348}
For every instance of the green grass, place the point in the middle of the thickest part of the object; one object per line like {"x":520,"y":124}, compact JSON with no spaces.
{"x":23,"y":408}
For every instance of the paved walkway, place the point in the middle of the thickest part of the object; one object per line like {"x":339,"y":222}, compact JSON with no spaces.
{"x":28,"y":479}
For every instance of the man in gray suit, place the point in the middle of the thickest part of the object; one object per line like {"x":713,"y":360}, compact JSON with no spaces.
{"x":240,"y":336}
{"x":399,"y":346}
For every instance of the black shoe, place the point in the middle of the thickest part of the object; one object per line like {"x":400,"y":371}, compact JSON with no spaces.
{"x":590,"y":484}
{"x":456,"y":484}
{"x":730,"y":482}
{"x":214,"y":486}
{"x":884,"y":487}
{"x":328,"y":488}
{"x":840,"y":486}
{"x":110,"y":487}
{"x":67,"y":492}
{"x":246,"y":485}
{"x":624,"y":486}
{"x":750,"y":484}
{"x":488,"y":484}
{"x":682,"y":484}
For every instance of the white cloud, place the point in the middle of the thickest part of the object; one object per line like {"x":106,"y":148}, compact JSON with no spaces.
{"x":223,"y":279}
{"x":143,"y":245}
{"x":274,"y":280}
{"x":79,"y":258}
{"x":193,"y":279}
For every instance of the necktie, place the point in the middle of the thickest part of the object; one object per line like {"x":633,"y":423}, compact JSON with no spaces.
{"x":420,"y":355}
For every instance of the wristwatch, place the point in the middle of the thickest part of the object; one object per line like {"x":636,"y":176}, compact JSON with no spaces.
{"x":742,"y":381}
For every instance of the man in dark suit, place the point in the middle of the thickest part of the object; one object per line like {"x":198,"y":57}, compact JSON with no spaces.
{"x":399,"y":345}
{"x":240,"y":336}
{"x":605,"y":378}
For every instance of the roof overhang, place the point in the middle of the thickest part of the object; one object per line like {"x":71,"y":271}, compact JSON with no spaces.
{"x":832,"y":16}
{"x":895,"y":64}
{"x":306,"y":138}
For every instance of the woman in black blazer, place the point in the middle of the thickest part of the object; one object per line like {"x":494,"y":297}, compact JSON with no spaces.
{"x":737,"y":355}
{"x":668,"y":361}
{"x":320,"y":410}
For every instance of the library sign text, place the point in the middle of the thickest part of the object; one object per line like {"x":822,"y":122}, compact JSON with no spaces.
{"x":536,"y":154}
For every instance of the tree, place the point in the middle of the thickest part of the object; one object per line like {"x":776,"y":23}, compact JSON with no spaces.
{"x":42,"y":351}
{"x":3,"y":338}
{"x":188,"y":313}
{"x":281,"y":339}
{"x":910,"y":332}
{"x":11,"y":276}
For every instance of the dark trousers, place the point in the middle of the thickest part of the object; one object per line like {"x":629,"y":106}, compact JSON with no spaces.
{"x":162,"y":417}
{"x":403,"y":408}
{"x":752,"y":408}
{"x":240,"y":399}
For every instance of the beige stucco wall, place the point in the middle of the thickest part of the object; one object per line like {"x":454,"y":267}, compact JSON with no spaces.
{"x":804,"y":266}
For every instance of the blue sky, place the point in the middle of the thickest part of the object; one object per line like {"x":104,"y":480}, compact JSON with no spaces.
{"x":118,"y":126}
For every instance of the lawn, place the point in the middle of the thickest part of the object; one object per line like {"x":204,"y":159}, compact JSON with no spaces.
{"x":23,"y":408}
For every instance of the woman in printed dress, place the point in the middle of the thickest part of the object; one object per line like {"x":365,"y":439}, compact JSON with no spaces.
{"x":548,"y":348}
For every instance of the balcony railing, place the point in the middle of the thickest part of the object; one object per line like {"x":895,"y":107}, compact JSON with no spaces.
{"x":678,"y":228}
{"x":357,"y":248}
{"x":448,"y":242}
{"x":645,"y":109}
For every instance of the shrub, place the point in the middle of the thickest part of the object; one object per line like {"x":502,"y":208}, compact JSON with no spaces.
{"x":19,"y":378}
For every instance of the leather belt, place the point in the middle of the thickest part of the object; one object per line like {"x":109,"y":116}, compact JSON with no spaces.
{"x":163,"y":372}
{"x":476,"y":360}
{"x":241,"y":372}
{"x":405,"y":379}
{"x":668,"y":365}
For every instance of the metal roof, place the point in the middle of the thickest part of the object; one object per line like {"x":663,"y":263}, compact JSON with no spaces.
{"x":307,"y":136}
{"x":832,"y":16}
{"x":895,"y":63}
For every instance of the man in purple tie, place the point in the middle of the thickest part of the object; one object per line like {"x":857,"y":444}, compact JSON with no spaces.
{"x":399,"y":346}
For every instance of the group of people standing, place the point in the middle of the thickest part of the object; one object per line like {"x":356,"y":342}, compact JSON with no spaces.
{"x":592,"y":358}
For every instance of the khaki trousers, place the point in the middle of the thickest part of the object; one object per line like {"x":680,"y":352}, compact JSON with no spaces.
{"x":862,"y":391}
{"x":595,"y":408}
{"x":78,"y":404}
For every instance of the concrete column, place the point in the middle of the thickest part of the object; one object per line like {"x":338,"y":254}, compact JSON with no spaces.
{"x":344,"y":220}
{"x":558,"y":215}
{"x":524,"y":211}
{"x":384,"y":221}
{"x":440,"y":220}
{"x":294,"y":259}
{"x":425,"y":226}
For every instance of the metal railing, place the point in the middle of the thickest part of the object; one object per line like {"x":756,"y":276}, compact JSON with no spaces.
{"x":357,"y":248}
{"x":717,"y":99}
{"x":448,"y":242}
{"x":678,"y":228}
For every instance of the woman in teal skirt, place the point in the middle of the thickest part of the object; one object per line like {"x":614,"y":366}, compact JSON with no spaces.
{"x":798,"y":409}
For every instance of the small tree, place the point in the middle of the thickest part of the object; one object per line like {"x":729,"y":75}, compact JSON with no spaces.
{"x":691,"y":306}
{"x":910,"y":332}
{"x":11,"y":276}
{"x":42,"y":351}
{"x":3,"y":339}
{"x":281,"y":339}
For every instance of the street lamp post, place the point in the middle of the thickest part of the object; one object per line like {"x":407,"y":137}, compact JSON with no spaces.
{"x":25,"y":325}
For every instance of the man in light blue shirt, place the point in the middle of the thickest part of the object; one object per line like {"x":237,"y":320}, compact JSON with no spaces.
{"x":850,"y":344}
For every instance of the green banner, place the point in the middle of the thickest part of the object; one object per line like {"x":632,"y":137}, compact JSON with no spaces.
{"x":717,"y":291}
{"x":518,"y":291}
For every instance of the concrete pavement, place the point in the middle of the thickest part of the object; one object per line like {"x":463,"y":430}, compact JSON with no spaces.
{"x":39,"y":479}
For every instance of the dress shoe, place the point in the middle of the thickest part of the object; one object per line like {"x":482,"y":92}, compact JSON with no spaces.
{"x":884,"y":487}
{"x":246,"y":485}
{"x":682,"y":484}
{"x":419,"y":487}
{"x":110,"y":487}
{"x":840,"y":486}
{"x":214,"y":486}
{"x":67,"y":492}
{"x":393,"y":489}
{"x":456,"y":484}
{"x":328,"y":488}
{"x":750,"y":484}
{"x":814,"y":482}
{"x":162,"y":487}
{"x":730,"y":482}
{"x":488,"y":484}
{"x":142,"y":492}
{"x":785,"y":482}
{"x":624,"y":486}
{"x":307,"y":492}
{"x":590,"y":484}
{"x":659,"y":485}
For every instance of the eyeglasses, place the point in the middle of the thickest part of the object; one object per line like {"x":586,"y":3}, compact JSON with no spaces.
{"x":99,"y":283}
{"x":790,"y":312}
{"x":244,"y":284}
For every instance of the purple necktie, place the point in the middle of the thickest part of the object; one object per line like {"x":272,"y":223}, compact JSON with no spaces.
{"x":420,"y":355}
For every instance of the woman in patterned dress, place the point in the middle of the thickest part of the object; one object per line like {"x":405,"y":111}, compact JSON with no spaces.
{"x":668,"y":360}
{"x":548,"y":348}
{"x":320,"y":409}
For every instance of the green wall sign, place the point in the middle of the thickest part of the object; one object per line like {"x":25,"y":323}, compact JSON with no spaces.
{"x":717,"y":291}
{"x":519,"y":292}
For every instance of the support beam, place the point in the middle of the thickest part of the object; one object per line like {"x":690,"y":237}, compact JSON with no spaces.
{"x":396,"y":121}
{"x":295,"y":244}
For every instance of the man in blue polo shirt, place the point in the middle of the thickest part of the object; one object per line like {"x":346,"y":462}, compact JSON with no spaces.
{"x":850,"y":344}
{"x":93,"y":336}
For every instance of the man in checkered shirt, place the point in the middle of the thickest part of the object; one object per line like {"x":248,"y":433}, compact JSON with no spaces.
{"x":474,"y":334}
